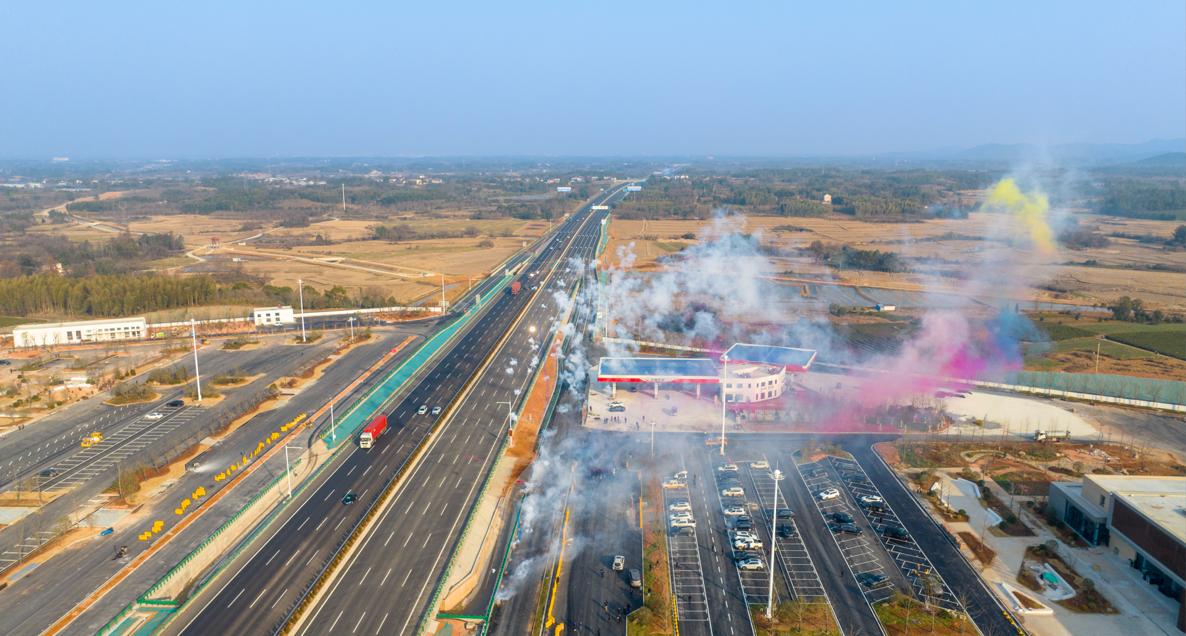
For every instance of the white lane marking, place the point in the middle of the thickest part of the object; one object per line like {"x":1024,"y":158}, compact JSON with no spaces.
{"x":303,"y":524}
{"x":236,"y":597}
{"x":261,"y":593}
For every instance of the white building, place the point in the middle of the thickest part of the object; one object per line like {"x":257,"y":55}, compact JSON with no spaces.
{"x":264,"y":316}
{"x":82,"y":332}
{"x":749,"y":382}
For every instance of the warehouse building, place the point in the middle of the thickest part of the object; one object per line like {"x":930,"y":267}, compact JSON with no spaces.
{"x":1143,"y":520}
{"x":81,"y":332}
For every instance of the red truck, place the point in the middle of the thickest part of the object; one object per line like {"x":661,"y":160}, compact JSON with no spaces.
{"x":514,"y":288}
{"x":367,"y":437}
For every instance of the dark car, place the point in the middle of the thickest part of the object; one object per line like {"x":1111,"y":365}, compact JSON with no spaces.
{"x":4,"y":363}
{"x":850,"y":528}
{"x":841,"y":517}
{"x":349,"y":498}
{"x":870,"y":579}
{"x":635,"y":578}
{"x":683,"y":531}
{"x":175,"y":404}
{"x":785,"y":532}
{"x":895,"y":532}
{"x":49,"y":472}
{"x":743,"y":523}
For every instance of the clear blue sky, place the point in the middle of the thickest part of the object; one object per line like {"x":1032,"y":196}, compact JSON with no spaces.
{"x":218,"y":79}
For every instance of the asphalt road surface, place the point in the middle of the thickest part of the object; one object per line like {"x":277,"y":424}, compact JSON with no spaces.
{"x":389,"y":576}
{"x":982,"y":606}
{"x":29,"y":605}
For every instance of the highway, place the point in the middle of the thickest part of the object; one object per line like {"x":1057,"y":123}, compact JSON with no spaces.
{"x":390,"y":576}
{"x":57,"y":584}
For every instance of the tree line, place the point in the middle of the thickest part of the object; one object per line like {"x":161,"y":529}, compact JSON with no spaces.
{"x":128,"y":295}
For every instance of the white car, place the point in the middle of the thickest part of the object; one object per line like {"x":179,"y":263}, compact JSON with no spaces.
{"x":680,"y":506}
{"x":825,"y":495}
{"x":680,"y":515}
{"x":683,"y":523}
{"x":681,"y":475}
{"x":727,"y":468}
{"x":155,"y":415}
{"x":619,"y":563}
{"x":751,"y":564}
{"x":734,"y":511}
{"x":423,"y":409}
{"x":436,"y":410}
{"x":872,"y":500}
{"x":673,"y":483}
{"x":761,"y":464}
{"x":747,"y":544}
{"x":745,"y":535}
{"x":735,"y":491}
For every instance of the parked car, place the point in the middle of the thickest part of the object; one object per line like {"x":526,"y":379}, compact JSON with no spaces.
{"x":841,"y":517}
{"x":872,"y":500}
{"x":743,"y":523}
{"x":175,"y":404}
{"x":727,"y":468}
{"x":683,"y":531}
{"x":751,"y":564}
{"x":733,"y":491}
{"x":870,"y":579}
{"x":679,"y":505}
{"x":848,"y":528}
{"x":827,"y":494}
{"x":786,"y":532}
{"x":681,"y":475}
{"x":683,"y":523}
{"x":619,"y":563}
{"x":744,"y":534}
{"x":747,"y":544}
{"x":673,"y":483}
{"x":155,"y":415}
{"x":734,"y":511}
{"x":635,"y":578}
{"x":616,"y":407}
{"x":760,"y":465}
{"x":895,"y":532}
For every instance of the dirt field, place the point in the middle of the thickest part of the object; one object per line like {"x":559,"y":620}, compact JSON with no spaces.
{"x":1075,"y":283}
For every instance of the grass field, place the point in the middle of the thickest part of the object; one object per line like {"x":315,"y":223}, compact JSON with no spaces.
{"x":1127,"y":348}
{"x":1165,"y":342}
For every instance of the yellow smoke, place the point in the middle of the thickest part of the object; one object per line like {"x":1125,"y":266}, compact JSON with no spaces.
{"x":1030,"y":209}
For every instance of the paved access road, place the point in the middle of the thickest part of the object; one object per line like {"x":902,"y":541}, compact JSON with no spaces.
{"x":429,"y":507}
{"x":965,"y":584}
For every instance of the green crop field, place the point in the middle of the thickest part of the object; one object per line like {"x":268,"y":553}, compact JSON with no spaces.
{"x":1059,"y":331}
{"x":1166,"y":342}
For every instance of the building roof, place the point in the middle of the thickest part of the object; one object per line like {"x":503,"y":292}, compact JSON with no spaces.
{"x":1167,"y":510}
{"x":80,"y":323}
{"x":791,"y":358}
{"x":693,"y":370}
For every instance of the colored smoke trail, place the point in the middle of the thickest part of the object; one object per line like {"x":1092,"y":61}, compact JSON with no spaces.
{"x":1029,"y":208}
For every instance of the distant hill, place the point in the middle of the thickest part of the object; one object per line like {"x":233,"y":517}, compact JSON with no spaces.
{"x":1080,"y":154}
{"x":1167,"y":159}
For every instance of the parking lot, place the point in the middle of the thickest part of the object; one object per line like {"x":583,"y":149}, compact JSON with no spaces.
{"x":902,"y":548}
{"x":687,"y":572}
{"x":791,"y":555}
{"x":865,"y":558}
{"x":85,"y":464}
{"x":754,"y":578}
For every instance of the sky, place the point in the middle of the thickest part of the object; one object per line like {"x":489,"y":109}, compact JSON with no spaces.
{"x":272,"y":79}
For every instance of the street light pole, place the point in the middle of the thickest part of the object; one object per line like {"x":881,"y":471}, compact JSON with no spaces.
{"x":288,"y":470}
{"x":776,"y":476}
{"x":193,"y":333}
{"x":510,"y":424}
{"x":724,"y":384}
{"x":301,"y":293}
{"x":652,"y":439}
{"x":333,"y":430}
{"x":351,"y":321}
